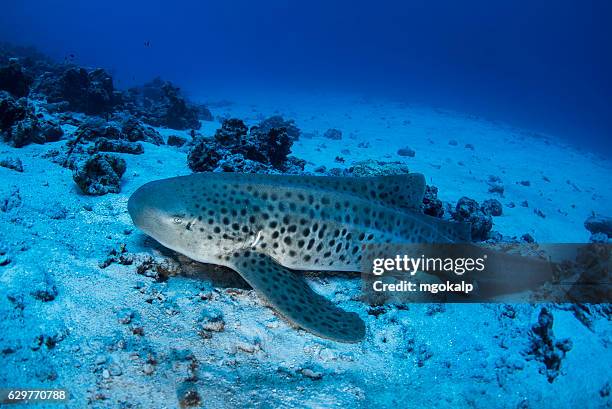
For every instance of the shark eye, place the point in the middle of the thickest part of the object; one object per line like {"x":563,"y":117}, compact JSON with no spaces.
{"x":177,"y":220}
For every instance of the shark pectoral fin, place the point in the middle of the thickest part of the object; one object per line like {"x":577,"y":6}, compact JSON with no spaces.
{"x":292,"y":297}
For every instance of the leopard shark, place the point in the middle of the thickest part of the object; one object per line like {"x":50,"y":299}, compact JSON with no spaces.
{"x":272,"y":228}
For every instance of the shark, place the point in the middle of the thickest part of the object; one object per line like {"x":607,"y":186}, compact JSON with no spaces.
{"x":271,"y":229}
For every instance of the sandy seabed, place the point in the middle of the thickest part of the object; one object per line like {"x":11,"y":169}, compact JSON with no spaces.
{"x":115,"y":338}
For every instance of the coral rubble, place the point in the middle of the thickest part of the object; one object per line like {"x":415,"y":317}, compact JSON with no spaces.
{"x":333,"y":133}
{"x":545,"y":348}
{"x":12,"y":163}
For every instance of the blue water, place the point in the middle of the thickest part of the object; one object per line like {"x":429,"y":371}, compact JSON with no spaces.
{"x":541,"y":65}
{"x":90,"y":303}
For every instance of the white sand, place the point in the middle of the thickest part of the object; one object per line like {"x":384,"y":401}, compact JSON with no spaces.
{"x":471,"y":355}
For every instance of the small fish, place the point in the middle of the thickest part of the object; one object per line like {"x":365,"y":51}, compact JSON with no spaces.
{"x":147,"y":44}
{"x":270,"y":227}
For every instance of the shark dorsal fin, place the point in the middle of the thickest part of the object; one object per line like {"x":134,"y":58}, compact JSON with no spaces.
{"x":399,"y":191}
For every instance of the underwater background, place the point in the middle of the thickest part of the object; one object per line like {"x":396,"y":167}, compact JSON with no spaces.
{"x":542,"y":66}
{"x":503,"y":107}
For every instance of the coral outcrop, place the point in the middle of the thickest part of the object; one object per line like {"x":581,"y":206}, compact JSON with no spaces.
{"x":112,"y":136}
{"x":599,"y":224}
{"x":121,"y":146}
{"x":277,"y":121}
{"x":20,"y":125}
{"x":134,"y":131}
{"x":236,"y":148}
{"x":468,"y":210}
{"x":160,"y":103}
{"x":91,"y":92}
{"x":175,"y":140}
{"x":11,"y":110}
{"x":432,"y":206}
{"x":14,"y":79}
{"x":492,"y":207}
{"x":100,"y":174}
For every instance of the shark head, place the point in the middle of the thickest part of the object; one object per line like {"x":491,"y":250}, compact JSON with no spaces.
{"x":185,"y":219}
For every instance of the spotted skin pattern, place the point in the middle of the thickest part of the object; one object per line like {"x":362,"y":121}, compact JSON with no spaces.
{"x":289,"y":223}
{"x":287,"y":291}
